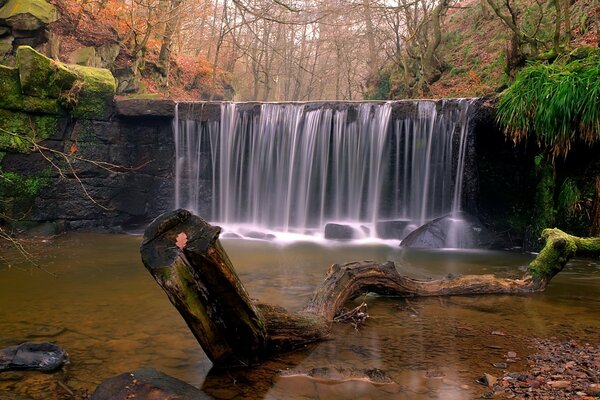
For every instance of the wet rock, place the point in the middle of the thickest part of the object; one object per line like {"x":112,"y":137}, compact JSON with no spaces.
{"x":339,"y":232}
{"x":259,"y":235}
{"x":146,"y":383}
{"x":145,"y":108}
{"x":458,"y":230}
{"x":487,"y":380}
{"x":34,"y":356}
{"x":396,"y":229}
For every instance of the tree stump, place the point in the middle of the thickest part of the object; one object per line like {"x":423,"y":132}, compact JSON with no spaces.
{"x":185,"y":257}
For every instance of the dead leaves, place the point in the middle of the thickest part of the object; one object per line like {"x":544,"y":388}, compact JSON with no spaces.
{"x":181,"y":240}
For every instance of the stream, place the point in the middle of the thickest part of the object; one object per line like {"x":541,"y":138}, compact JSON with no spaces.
{"x":95,"y":299}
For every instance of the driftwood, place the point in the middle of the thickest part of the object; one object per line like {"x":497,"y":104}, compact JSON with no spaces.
{"x":184,"y":255}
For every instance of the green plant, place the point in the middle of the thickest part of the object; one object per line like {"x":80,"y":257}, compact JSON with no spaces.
{"x":556,"y":104}
{"x":569,"y":197}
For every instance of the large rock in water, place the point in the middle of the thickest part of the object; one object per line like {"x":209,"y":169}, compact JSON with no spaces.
{"x":35,"y":356}
{"x":146,"y":383}
{"x":339,"y":232}
{"x":459,"y":230}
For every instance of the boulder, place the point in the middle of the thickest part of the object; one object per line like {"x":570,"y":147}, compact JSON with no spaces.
{"x":339,"y":232}
{"x":458,"y":230}
{"x":394,"y":229}
{"x":13,"y":99}
{"x":30,"y":15}
{"x":85,"y":56}
{"x":32,"y":356}
{"x":41,"y":76}
{"x":146,"y":383}
{"x":88,"y":91}
{"x":95,"y":98}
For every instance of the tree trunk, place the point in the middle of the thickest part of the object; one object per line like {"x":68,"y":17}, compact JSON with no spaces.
{"x":184,"y":255}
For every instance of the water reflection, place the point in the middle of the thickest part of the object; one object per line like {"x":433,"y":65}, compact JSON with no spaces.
{"x":111,"y":317}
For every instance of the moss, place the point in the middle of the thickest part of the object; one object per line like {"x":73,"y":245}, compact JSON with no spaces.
{"x":544,"y":213}
{"x":42,"y":85}
{"x":41,"y":76}
{"x":34,"y":127}
{"x":40,"y":9}
{"x":94,"y":99}
{"x":559,"y":248}
{"x":13,"y":99}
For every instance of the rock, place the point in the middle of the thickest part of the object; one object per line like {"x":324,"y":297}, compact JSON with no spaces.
{"x":396,"y":229}
{"x":459,"y":230}
{"x":107,"y":54}
{"x":487,"y":380}
{"x":34,"y":356}
{"x":85,"y":56}
{"x":41,"y":76}
{"x":259,"y":235}
{"x":128,"y":80}
{"x":146,"y":383}
{"x":145,"y":108}
{"x":94,"y":100}
{"x":511,"y":354}
{"x":559,"y":384}
{"x":47,"y":229}
{"x":339,"y":232}
{"x":502,"y":365}
{"x":42,"y":126}
{"x":30,"y":15}
{"x":13,"y":99}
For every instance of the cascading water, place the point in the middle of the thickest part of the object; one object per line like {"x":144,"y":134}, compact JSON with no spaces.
{"x":296,"y":167}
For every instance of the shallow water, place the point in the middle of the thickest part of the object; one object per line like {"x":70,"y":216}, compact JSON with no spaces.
{"x":107,"y":312}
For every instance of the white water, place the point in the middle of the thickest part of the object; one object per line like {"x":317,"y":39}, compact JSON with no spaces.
{"x":290,"y":168}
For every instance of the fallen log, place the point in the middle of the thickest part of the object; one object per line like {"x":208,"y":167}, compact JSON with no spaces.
{"x":185,"y":257}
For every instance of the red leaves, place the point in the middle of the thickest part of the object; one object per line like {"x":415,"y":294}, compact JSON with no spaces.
{"x":181,"y":240}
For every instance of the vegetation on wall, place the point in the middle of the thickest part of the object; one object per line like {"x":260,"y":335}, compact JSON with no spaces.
{"x":556,"y":106}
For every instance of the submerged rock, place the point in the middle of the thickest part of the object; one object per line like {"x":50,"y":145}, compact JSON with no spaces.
{"x":459,"y":230}
{"x":35,"y":356}
{"x":394,"y":229}
{"x":146,"y":383}
{"x":339,"y":232}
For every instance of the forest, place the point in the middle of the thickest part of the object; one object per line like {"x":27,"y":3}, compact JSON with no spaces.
{"x":299,"y":199}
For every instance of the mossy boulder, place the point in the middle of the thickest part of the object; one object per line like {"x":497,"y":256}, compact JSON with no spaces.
{"x":40,"y":84}
{"x":27,"y":15}
{"x":41,"y":76}
{"x":13,"y":99}
{"x":28,"y":126}
{"x":95,"y":96}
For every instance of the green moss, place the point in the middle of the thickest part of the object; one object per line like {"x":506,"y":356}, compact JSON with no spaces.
{"x":13,"y":99}
{"x":42,"y":85}
{"x":95,"y":97}
{"x":30,"y":127}
{"x":559,"y":248}
{"x":41,"y":76}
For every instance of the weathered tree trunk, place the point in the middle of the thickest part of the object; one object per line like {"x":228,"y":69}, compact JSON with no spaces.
{"x":184,"y":255}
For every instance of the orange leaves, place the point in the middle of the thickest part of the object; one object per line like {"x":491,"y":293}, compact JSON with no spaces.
{"x":73,"y":148}
{"x":181,"y":240}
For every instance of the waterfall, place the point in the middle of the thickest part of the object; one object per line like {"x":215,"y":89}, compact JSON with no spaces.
{"x":294,"y":167}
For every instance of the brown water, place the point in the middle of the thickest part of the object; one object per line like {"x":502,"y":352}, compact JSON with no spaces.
{"x":107,"y":312}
